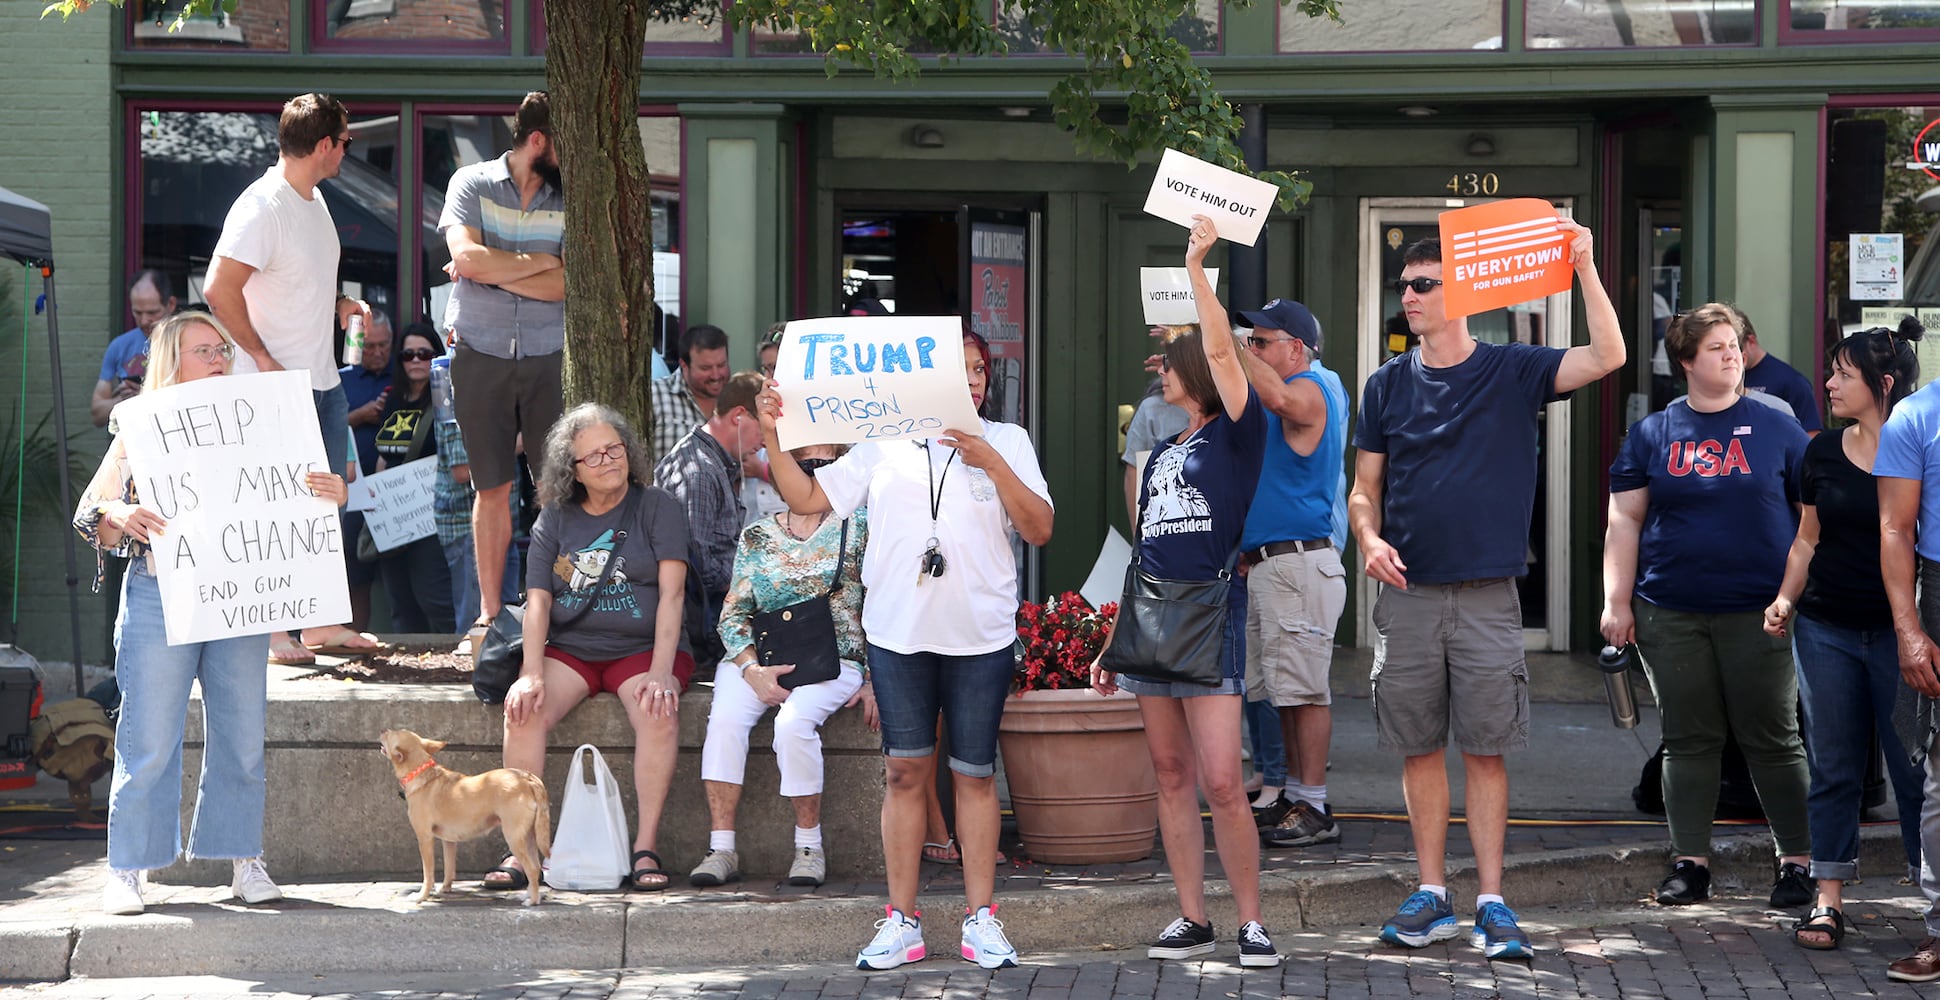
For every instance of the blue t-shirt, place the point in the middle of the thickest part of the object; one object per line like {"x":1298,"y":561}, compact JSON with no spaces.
{"x":1193,"y":500}
{"x":1295,"y":499}
{"x":360,"y":387}
{"x":1909,"y":448}
{"x":1720,"y":520}
{"x":1462,"y":456}
{"x":1779,"y":379}
{"x":126,"y":357}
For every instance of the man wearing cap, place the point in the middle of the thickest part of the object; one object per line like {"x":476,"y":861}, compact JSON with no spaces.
{"x":1295,"y":584}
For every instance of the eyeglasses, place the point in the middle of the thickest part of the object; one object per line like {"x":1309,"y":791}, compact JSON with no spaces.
{"x":1262,"y":343}
{"x":207,"y":354}
{"x":809,"y":465}
{"x":415,"y":353}
{"x":611,"y":453}
{"x":1422,"y":286}
{"x":343,"y":141}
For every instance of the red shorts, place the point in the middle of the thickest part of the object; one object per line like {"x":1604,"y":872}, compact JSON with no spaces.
{"x":608,"y":675}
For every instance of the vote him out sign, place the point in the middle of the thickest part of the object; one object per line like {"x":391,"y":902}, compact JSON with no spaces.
{"x":1502,"y":253}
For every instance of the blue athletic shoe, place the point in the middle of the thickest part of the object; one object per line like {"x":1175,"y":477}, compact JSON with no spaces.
{"x":1424,"y":918}
{"x":1497,"y":935}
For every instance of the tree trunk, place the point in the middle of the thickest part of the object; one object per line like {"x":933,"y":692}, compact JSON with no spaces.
{"x":593,"y":53}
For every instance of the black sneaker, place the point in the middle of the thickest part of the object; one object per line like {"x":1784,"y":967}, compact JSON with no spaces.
{"x":1182,"y":939}
{"x":1688,"y":882}
{"x":1793,"y":887}
{"x":1256,"y":950}
{"x":1273,"y":813}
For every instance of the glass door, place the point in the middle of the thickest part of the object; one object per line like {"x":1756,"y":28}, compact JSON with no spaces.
{"x":1387,"y":226}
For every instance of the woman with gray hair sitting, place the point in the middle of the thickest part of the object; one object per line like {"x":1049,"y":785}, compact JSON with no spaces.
{"x":606,"y":537}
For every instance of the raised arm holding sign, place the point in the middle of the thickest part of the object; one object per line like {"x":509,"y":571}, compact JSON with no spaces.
{"x":1187,"y":186}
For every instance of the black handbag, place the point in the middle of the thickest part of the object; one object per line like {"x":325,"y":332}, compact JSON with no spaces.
{"x":501,"y":654}
{"x":803,"y":633}
{"x":1170,"y":630}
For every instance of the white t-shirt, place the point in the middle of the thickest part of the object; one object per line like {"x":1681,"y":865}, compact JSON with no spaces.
{"x":972,"y":608}
{"x":292,"y":297}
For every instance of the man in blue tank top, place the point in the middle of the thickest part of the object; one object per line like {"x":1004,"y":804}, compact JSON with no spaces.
{"x":1295,"y":584}
{"x":1444,"y":481}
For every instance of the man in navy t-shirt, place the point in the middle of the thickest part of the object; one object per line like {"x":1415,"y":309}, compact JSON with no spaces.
{"x":1765,"y":373}
{"x":1444,"y":481}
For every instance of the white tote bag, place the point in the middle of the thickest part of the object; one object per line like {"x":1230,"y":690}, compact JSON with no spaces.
{"x":589,"y":849}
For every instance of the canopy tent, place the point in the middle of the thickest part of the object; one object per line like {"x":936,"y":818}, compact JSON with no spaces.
{"x":27,"y":235}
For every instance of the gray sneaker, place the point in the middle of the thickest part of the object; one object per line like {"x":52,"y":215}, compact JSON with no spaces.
{"x":811,"y":867}
{"x":1303,"y":827}
{"x":718,"y":868}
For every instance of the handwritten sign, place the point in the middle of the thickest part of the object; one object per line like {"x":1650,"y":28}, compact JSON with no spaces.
{"x":248,"y":548}
{"x":1502,"y":253}
{"x":399,"y":510}
{"x":1187,"y":186}
{"x":1166,"y":294}
{"x":848,"y":379}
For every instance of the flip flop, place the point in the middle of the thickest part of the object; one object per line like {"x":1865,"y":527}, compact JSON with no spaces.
{"x":944,"y":853}
{"x":516,"y":879}
{"x":655,"y":870}
{"x":290,"y":654}
{"x":338,"y":646}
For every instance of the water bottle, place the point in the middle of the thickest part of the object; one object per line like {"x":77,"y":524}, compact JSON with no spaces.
{"x":354,"y":340}
{"x":441,"y":388}
{"x":1615,"y":663}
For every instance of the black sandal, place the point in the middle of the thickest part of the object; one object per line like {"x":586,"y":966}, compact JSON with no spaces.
{"x":655,"y":870}
{"x":1825,"y":920}
{"x":517,"y":879}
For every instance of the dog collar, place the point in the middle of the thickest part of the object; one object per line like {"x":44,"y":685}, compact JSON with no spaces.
{"x":426,"y":766}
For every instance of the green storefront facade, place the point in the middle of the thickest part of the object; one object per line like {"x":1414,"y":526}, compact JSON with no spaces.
{"x":1698,"y":139}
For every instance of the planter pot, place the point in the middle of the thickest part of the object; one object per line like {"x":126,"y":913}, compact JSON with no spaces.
{"x":1080,"y":774}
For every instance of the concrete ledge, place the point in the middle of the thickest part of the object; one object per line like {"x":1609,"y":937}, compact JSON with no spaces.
{"x":334,"y":809}
{"x":35,"y":952}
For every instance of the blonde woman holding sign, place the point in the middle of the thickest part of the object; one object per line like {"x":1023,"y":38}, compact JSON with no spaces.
{"x":144,"y":807}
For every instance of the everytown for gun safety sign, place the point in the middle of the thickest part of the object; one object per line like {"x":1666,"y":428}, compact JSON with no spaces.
{"x":1502,"y":253}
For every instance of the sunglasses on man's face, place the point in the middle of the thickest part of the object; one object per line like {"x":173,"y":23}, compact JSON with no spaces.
{"x":343,"y":141}
{"x":1422,"y":286}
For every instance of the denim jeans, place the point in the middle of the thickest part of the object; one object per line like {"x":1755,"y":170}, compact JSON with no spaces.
{"x":1269,"y":748}
{"x":969,"y":691}
{"x":1848,"y":679}
{"x":145,"y":805}
{"x":461,"y":560}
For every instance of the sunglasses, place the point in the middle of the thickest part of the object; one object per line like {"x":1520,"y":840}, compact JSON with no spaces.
{"x":343,"y":141}
{"x":417,"y":354}
{"x":208,"y":354}
{"x":594,"y":459}
{"x":1422,"y":286}
{"x":1165,"y":363}
{"x":1262,"y":343}
{"x":809,"y":465}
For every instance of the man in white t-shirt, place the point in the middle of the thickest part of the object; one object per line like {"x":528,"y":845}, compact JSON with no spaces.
{"x":273,"y":282}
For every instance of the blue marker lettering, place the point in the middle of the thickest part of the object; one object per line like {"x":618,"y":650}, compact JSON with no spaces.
{"x":839,"y":360}
{"x":894,"y":355}
{"x":865,"y":362}
{"x":810,"y":340}
{"x":924,"y":345}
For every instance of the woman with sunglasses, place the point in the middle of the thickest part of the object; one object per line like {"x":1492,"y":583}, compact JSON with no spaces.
{"x":144,"y":805}
{"x":416,"y":578}
{"x":1841,"y":626}
{"x":783,"y":560}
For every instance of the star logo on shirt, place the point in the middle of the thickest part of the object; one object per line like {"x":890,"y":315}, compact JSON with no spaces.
{"x":403,"y":424}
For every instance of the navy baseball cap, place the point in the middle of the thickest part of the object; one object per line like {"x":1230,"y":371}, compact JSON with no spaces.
{"x":1285,"y":314}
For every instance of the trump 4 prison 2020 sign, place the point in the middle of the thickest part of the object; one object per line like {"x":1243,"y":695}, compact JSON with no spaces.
{"x":247,"y":549}
{"x":850,"y":379}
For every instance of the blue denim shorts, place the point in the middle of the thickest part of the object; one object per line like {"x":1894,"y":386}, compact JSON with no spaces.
{"x":1232,"y":657}
{"x":968,"y":691}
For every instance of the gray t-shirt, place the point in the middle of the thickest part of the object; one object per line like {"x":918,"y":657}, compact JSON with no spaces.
{"x":570,"y":547}
{"x":489,"y":319}
{"x":1155,"y":420}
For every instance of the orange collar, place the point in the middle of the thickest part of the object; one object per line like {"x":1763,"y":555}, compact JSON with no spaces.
{"x":426,"y":766}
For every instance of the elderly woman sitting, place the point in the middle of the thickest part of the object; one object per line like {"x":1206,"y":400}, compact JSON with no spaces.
{"x":602,"y":521}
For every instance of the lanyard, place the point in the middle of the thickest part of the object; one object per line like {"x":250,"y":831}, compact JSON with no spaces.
{"x":936,"y":484}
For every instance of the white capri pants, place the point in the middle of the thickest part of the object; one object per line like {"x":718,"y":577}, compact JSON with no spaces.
{"x":798,"y":728}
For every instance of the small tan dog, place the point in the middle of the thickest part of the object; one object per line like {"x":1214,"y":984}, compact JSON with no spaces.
{"x":448,"y":806}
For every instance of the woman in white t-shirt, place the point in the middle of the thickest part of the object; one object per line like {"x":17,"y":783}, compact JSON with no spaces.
{"x":940,"y":617}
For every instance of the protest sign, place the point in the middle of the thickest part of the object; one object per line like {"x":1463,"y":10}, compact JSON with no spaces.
{"x":248,"y":549}
{"x":1166,"y":294}
{"x":849,"y":379}
{"x":1187,"y":186}
{"x":400,"y":511}
{"x":1502,"y":253}
{"x":1106,"y":581}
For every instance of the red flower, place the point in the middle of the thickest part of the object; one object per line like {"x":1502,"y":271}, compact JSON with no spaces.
{"x":1060,"y":639}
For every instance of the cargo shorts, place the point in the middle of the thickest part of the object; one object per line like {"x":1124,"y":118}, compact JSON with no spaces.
{"x":1448,"y":662}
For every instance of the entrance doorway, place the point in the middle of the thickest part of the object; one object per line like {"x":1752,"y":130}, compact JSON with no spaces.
{"x":1389,"y":225}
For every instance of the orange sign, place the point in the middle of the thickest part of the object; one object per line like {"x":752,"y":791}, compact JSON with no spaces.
{"x":1502,"y":253}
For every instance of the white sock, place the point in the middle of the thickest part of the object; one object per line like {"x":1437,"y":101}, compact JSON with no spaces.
{"x":1267,"y":796}
{"x":720,"y":840}
{"x":808,"y":836}
{"x":1316,"y":796}
{"x":1440,"y":891}
{"x":1485,"y":898}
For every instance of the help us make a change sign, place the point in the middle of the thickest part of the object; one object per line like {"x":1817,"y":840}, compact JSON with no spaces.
{"x":248,"y":548}
{"x":1502,"y":253}
{"x":1187,"y":186}
{"x":850,"y":379}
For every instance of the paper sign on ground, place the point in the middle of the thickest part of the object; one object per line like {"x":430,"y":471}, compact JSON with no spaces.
{"x":850,"y":379}
{"x":1107,"y":580}
{"x":248,"y":549}
{"x":1877,"y":266}
{"x":401,"y":512}
{"x":1187,"y":186}
{"x":1502,"y":253}
{"x":1166,"y":294}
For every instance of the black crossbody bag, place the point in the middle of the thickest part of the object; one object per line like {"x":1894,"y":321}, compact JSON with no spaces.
{"x":803,"y":633}
{"x":1170,"y":630}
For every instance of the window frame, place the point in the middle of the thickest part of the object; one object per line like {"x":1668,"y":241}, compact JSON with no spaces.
{"x":321,"y":42}
{"x":1788,"y":35}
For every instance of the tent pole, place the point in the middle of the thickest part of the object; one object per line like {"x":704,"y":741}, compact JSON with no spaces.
{"x":67,"y":489}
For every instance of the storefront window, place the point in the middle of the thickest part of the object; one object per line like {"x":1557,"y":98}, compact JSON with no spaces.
{"x":1582,"y":24}
{"x":674,"y":28}
{"x":1396,"y":26}
{"x":1823,"y":20}
{"x":1882,"y":219}
{"x":411,"y":25}
{"x":256,"y":27}
{"x":193,"y":164}
{"x":1199,"y":32}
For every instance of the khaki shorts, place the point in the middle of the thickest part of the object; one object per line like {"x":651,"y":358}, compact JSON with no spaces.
{"x":1448,"y":660}
{"x":1294,"y":602}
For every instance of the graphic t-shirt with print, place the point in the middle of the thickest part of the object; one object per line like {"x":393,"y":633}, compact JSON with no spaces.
{"x":1192,"y":503}
{"x":399,"y":426}
{"x":569,"y":549}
